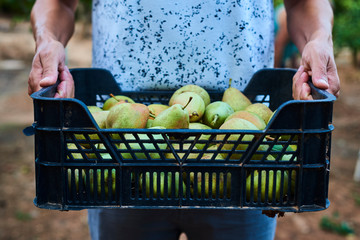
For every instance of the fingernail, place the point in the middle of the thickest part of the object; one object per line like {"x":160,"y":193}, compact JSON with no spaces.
{"x":324,"y":81}
{"x":301,"y":68}
{"x":44,"y":79}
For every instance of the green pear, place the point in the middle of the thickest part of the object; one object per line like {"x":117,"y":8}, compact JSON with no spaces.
{"x":251,"y":117}
{"x":94,"y":109}
{"x":236,"y":123}
{"x":128,"y":115}
{"x":96,"y":176}
{"x":113,"y":100}
{"x":260,"y":109}
{"x":191,"y":88}
{"x":255,"y":177}
{"x":155,"y":109}
{"x":216,"y":113}
{"x":209,"y":155}
{"x":150,"y":147}
{"x":75,"y":176}
{"x":200,"y":185}
{"x":100,"y":118}
{"x":162,"y":179}
{"x":236,"y":99}
{"x":75,"y":155}
{"x":181,"y":154}
{"x":175,"y":117}
{"x":149,"y":123}
{"x":203,"y":137}
{"x":196,"y":107}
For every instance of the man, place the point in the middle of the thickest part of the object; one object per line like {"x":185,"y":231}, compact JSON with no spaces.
{"x":166,"y":44}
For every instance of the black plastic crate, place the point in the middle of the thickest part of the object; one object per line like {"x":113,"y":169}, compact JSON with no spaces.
{"x":165,"y":170}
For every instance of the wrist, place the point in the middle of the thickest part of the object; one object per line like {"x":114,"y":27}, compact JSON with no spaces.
{"x":324,"y":37}
{"x":42,"y":39}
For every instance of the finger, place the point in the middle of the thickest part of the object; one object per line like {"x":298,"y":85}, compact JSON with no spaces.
{"x":305,"y":92}
{"x":296,"y":77}
{"x":66,"y":87}
{"x":304,"y":77}
{"x":51,"y":66}
{"x":319,"y":73}
{"x":35,"y":76}
{"x":334,"y":80}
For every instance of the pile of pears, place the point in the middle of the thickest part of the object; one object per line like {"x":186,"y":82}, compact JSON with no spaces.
{"x":190,"y":107}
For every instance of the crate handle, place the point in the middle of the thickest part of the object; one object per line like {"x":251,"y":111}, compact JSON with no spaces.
{"x":30,"y":130}
{"x":318,"y":93}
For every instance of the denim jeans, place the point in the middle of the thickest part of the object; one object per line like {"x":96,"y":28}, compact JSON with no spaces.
{"x":168,"y":224}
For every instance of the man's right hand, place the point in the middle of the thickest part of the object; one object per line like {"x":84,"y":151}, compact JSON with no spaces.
{"x":53,"y":25}
{"x":48,"y":65}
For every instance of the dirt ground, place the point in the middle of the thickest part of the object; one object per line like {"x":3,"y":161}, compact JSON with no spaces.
{"x":20,"y":219}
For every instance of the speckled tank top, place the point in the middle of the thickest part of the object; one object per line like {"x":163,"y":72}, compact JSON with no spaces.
{"x":165,"y":44}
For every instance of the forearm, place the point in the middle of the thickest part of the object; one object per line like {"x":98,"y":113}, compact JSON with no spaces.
{"x":308,"y":20}
{"x":53,"y":20}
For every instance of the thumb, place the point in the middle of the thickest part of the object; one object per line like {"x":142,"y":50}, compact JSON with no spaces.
{"x":319,"y":75}
{"x":49,"y":75}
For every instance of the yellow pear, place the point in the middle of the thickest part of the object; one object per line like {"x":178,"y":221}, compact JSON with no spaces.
{"x":236,"y":99}
{"x":260,"y":109}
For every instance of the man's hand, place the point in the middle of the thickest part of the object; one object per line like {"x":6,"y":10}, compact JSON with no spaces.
{"x":310,"y":27}
{"x":49,"y":65}
{"x":317,"y":62}
{"x":52,"y":22}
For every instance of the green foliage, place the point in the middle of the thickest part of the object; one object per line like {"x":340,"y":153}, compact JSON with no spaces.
{"x":16,"y":8}
{"x":333,"y":224}
{"x":20,"y":9}
{"x":346,"y":30}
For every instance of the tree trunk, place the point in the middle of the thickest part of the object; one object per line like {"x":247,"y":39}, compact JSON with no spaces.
{"x":354,"y":57}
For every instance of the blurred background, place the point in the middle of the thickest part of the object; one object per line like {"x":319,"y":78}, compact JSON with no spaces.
{"x":20,"y":219}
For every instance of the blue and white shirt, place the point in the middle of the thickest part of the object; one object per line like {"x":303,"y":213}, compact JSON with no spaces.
{"x":165,"y":44}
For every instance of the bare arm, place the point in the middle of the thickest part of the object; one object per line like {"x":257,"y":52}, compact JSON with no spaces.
{"x":310,"y":28}
{"x":53,"y":25}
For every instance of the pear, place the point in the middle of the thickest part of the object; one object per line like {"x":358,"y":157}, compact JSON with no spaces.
{"x":251,"y":117}
{"x":191,"y":88}
{"x":236,"y":99}
{"x":95,"y":177}
{"x":155,"y":109}
{"x":203,"y":137}
{"x":100,"y":118}
{"x":216,"y":113}
{"x":181,"y":154}
{"x":196,"y":107}
{"x":203,"y":182}
{"x":128,"y":115}
{"x":75,"y":176}
{"x":113,"y":100}
{"x":209,"y":155}
{"x":162,"y":179}
{"x":93,"y":109}
{"x":75,"y":155}
{"x":175,"y":117}
{"x":236,"y":123}
{"x":150,"y":147}
{"x":255,"y":178}
{"x":260,"y":109}
{"x":149,"y":123}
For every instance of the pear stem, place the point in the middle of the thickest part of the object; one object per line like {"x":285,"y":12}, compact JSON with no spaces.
{"x":216,"y":117}
{"x":190,"y":98}
{"x":112,"y":95}
{"x":152,"y":115}
{"x":230,"y":81}
{"x":270,"y":138}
